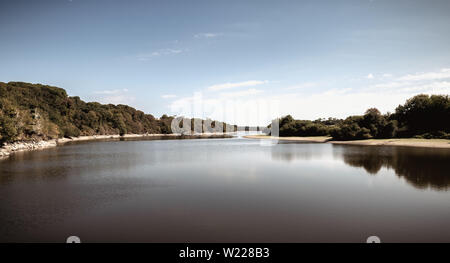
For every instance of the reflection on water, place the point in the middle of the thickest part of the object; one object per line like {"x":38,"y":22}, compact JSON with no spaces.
{"x":291,"y":152}
{"x":224,"y":190}
{"x":421,"y":167}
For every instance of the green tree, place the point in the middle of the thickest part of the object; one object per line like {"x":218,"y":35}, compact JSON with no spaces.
{"x":7,"y":130}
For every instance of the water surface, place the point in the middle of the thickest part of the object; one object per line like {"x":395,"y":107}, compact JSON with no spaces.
{"x":225,"y":190}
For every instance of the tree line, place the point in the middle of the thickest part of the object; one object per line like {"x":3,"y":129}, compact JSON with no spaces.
{"x":34,"y":111}
{"x":421,"y":116}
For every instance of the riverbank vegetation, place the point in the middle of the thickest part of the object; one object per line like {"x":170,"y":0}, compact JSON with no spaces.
{"x":422,"y":116}
{"x":35,"y":111}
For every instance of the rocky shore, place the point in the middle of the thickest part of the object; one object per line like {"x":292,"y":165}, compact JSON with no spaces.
{"x":10,"y":148}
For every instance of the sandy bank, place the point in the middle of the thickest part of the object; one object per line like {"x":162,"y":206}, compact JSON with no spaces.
{"x":429,"y":143}
{"x":11,"y":148}
{"x":315,"y":139}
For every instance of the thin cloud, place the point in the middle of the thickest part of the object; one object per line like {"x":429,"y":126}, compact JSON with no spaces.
{"x":117,"y":99}
{"x":228,"y":85}
{"x":168,"y":96}
{"x":158,"y":53}
{"x":305,"y":85}
{"x":207,"y":35}
{"x":109,"y":92}
{"x":442,"y":74}
{"x":242,"y":93}
{"x":115,"y":96}
{"x":435,"y":87}
{"x":370,"y":76}
{"x":434,"y":82}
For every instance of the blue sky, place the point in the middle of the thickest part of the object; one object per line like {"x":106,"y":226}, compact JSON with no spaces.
{"x":315,"y":58}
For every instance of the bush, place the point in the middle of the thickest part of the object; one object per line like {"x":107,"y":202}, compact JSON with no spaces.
{"x":433,"y":135}
{"x":422,"y":116}
{"x":291,"y":127}
{"x":7,"y":130}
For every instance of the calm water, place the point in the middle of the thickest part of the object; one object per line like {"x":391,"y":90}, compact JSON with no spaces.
{"x":225,"y":190}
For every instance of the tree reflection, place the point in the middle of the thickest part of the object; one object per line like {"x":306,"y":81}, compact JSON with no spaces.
{"x":421,"y":167}
{"x":291,"y":151}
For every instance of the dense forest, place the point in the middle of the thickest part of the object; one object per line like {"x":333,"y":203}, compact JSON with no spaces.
{"x":422,"y":116}
{"x":34,"y":111}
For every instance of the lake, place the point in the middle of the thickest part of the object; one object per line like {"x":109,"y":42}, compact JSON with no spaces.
{"x":225,"y":190}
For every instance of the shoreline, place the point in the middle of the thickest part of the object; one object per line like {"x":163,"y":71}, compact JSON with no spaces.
{"x":23,"y":146}
{"x":407,"y":142}
{"x":313,"y":139}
